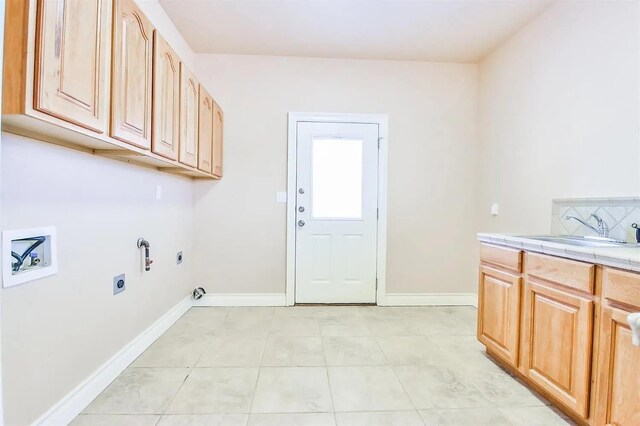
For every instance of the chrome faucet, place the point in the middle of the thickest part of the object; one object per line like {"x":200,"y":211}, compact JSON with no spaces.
{"x":603,"y":228}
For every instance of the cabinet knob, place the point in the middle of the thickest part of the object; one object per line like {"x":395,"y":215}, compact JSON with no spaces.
{"x":634,"y":324}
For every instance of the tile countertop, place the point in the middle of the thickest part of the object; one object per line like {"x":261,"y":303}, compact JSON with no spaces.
{"x":618,"y":257}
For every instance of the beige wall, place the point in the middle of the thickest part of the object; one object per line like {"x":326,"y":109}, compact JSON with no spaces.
{"x":240,"y":229}
{"x":558,"y":113}
{"x":59,"y":330}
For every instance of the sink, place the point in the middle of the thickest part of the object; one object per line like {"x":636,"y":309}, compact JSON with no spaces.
{"x":581,"y":241}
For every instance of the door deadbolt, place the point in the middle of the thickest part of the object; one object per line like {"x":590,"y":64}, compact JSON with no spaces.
{"x":301,"y":223}
{"x":301,"y":209}
{"x":301,"y":191}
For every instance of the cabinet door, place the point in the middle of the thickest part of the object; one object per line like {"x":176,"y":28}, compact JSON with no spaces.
{"x":188,"y":117}
{"x":166,"y":99}
{"x":71,"y":64}
{"x":205,"y":136}
{"x":131,"y":75}
{"x":557,"y":342}
{"x":218,"y":123}
{"x":499,"y":313}
{"x":619,"y":372}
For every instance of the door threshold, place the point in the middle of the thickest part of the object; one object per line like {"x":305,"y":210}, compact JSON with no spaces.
{"x":335,"y":304}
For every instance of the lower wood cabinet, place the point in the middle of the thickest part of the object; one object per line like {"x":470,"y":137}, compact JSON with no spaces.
{"x":499,"y":312}
{"x":618,"y":399}
{"x":557,"y":344}
{"x":561,"y":325}
{"x":618,"y":381}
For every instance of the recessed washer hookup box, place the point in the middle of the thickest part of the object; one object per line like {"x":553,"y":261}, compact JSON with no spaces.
{"x":28,"y":254}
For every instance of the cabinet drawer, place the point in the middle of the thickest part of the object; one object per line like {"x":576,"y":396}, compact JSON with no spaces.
{"x":501,"y":256}
{"x":621,"y":287}
{"x":569,"y":273}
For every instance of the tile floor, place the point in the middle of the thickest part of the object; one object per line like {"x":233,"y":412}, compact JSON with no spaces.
{"x":308,"y":366}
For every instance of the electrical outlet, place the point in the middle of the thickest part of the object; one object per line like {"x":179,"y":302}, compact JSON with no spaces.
{"x":179,"y":258}
{"x":118,"y":284}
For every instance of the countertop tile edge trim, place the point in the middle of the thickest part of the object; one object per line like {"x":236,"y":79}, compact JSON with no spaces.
{"x":561,"y":250}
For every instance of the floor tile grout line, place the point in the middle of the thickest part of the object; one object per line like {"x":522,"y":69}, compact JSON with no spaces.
{"x":326,"y":370}
{"x":190,"y":370}
{"x":398,"y":379}
{"x":255,"y":388}
{"x":176,"y":393}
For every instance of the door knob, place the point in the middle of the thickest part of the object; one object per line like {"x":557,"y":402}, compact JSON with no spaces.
{"x":301,"y":191}
{"x":301,"y":223}
{"x":301,"y":209}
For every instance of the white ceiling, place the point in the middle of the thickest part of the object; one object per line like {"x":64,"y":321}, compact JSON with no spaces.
{"x":427,"y":30}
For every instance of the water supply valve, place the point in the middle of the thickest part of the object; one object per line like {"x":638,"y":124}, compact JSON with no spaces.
{"x":147,"y":261}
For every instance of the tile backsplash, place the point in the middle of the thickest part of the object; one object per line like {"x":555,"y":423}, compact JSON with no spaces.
{"x":618,"y":213}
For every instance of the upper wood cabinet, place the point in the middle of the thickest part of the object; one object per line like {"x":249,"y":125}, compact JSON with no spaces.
{"x":189,"y":87}
{"x":619,"y":361}
{"x":71,"y":63}
{"x":132,"y":71}
{"x":205,"y":136}
{"x":95,"y":75}
{"x":218,"y":125}
{"x":166,"y":99}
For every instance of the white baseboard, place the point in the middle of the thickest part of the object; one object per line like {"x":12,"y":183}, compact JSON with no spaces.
{"x":77,"y":400}
{"x":430,"y":299}
{"x":242,"y":299}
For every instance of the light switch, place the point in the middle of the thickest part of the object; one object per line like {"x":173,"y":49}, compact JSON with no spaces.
{"x":281,"y":197}
{"x":495,"y":209}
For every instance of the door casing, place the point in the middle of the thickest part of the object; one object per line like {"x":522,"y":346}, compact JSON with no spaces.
{"x":382,"y":122}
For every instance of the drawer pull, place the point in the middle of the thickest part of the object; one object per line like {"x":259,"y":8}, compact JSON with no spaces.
{"x":634,"y":323}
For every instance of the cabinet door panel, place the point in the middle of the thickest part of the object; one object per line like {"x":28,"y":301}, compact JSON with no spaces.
{"x":619,"y":372}
{"x":218,"y":125}
{"x":557,"y":342}
{"x":131,"y":75}
{"x":72,"y":61}
{"x":205,"y":136}
{"x":188,"y":117}
{"x":166,"y":99}
{"x":499,"y":313}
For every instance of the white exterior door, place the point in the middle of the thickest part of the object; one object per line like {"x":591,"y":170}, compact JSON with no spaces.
{"x":336,"y":212}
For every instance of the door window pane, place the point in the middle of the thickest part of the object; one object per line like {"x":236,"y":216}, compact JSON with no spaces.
{"x":336,"y":178}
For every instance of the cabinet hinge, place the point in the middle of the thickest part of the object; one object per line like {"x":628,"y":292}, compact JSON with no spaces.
{"x":379,"y":139}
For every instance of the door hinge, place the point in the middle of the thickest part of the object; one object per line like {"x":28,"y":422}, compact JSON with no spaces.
{"x":377,"y":213}
{"x":376,"y":283}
